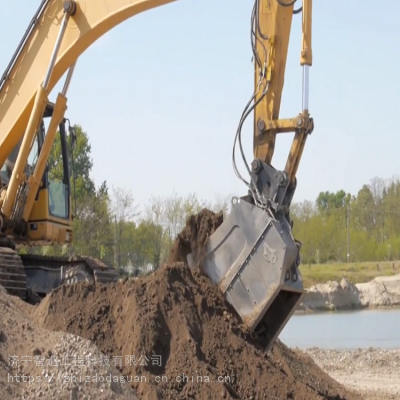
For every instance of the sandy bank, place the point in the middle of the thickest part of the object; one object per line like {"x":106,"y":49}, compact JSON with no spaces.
{"x":374,"y":373}
{"x":380,"y":292}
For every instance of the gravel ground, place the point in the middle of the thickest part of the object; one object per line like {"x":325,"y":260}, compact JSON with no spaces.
{"x":39,"y":364}
{"x":375,"y":373}
{"x":84,"y":375}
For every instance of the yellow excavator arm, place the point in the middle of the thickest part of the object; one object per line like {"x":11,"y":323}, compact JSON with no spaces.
{"x":252,"y":256}
{"x":59,"y":33}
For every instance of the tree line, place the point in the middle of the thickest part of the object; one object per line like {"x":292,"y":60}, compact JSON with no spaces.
{"x":340,"y":226}
{"x":108,"y":224}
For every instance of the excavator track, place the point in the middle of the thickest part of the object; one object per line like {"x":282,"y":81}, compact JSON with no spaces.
{"x":22,"y":273}
{"x":12,"y":272}
{"x":66,"y":270}
{"x":102,"y":272}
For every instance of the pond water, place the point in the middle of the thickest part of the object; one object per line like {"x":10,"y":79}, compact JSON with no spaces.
{"x":344,"y":330}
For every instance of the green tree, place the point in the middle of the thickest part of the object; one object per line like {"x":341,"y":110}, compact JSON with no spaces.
{"x":365,"y":211}
{"x":328,"y":200}
{"x":124,"y":211}
{"x":148,"y":244}
{"x":92,"y":226}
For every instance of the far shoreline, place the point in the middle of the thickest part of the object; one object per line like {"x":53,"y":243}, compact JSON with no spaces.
{"x":382,"y":292}
{"x":328,"y":310}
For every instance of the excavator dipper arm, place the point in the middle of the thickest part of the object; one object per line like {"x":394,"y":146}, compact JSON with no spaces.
{"x":253,"y":256}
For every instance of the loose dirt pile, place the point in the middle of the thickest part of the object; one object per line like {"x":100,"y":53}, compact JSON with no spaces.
{"x":31,"y":361}
{"x":176,"y":318}
{"x":175,"y":334}
{"x":170,"y":335}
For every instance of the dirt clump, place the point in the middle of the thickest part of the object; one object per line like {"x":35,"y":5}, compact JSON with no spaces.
{"x":175,"y":335}
{"x":194,"y":236}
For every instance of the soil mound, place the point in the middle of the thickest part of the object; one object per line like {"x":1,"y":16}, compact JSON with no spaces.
{"x":180,"y":325}
{"x":177,"y":337}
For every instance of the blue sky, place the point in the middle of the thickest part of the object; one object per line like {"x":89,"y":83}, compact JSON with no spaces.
{"x":161,"y":95}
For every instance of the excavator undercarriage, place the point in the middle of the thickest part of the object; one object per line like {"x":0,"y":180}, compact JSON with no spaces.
{"x":28,"y":275}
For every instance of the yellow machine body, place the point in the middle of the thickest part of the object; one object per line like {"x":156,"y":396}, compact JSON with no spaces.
{"x":253,"y":256}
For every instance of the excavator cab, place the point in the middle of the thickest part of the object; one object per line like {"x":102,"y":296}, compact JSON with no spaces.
{"x":50,"y":219}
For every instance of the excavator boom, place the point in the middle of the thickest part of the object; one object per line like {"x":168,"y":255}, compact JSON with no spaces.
{"x":253,"y":256}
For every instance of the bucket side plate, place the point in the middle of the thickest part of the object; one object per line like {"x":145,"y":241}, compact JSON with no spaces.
{"x":254,"y":259}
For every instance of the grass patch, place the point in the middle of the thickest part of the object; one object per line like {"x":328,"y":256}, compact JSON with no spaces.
{"x":354,"y":272}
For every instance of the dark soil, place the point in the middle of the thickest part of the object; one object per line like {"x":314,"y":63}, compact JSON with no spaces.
{"x":179,"y":315}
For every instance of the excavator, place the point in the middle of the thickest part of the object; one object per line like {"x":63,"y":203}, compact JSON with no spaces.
{"x":252,"y":257}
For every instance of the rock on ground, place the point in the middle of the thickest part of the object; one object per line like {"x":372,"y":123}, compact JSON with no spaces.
{"x":381,"y":291}
{"x":375,"y":373}
{"x":31,"y":358}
